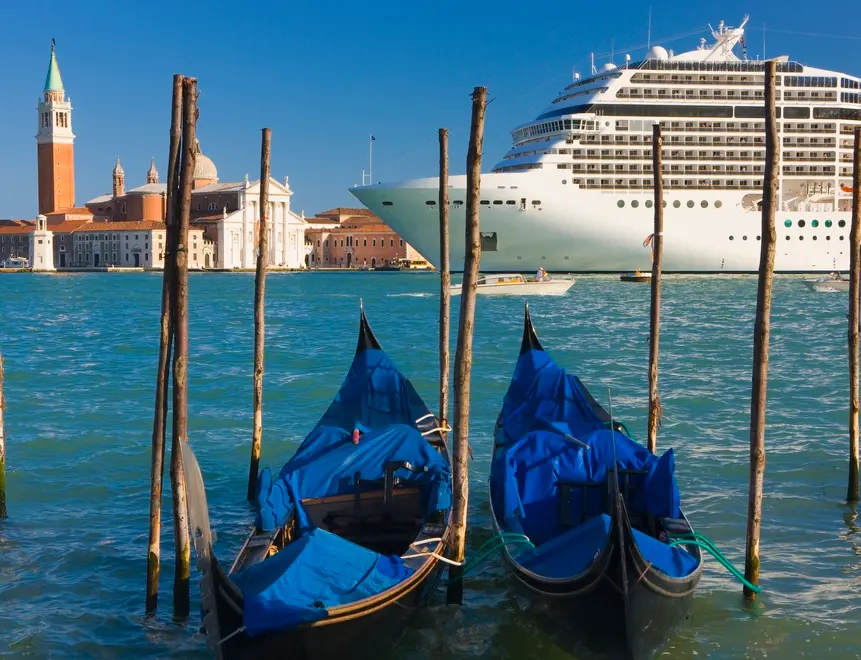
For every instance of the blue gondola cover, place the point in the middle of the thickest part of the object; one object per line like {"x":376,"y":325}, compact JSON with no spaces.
{"x":547,"y":418}
{"x":321,"y":570}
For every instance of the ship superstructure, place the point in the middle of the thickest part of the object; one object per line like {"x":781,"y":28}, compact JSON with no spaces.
{"x":574,"y":192}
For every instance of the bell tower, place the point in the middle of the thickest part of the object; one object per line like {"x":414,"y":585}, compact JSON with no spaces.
{"x":55,"y":143}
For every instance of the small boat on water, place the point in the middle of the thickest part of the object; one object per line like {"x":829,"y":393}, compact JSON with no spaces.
{"x":518,"y":285}
{"x":15,"y":262}
{"x":636,"y":276}
{"x":834,"y":282}
{"x":348,"y":537}
{"x":598,"y":507}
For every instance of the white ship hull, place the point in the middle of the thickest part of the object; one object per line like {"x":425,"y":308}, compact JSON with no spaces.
{"x":577,"y":230}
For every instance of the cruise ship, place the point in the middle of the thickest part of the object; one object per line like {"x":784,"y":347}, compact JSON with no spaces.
{"x":575,"y":191}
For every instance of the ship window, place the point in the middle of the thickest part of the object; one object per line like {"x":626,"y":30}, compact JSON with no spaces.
{"x":620,"y":203}
{"x":841,"y":238}
{"x":787,"y":223}
{"x":787,"y":237}
{"x":841,"y":223}
{"x":511,"y":202}
{"x":497,"y":201}
{"x":744,"y":238}
{"x":828,"y":238}
{"x":458,"y":202}
{"x":430,"y":202}
{"x":387,"y":204}
{"x":649,"y":203}
{"x":718,"y":204}
{"x":705,"y":204}
{"x":690,"y":203}
{"x":635,"y":203}
{"x":815,"y":237}
{"x":759,"y":238}
{"x":730,"y":238}
{"x":801,"y":223}
{"x":828,"y":223}
{"x":801,"y":238}
{"x":537,"y":202}
{"x":484,"y":202}
{"x":676,"y":204}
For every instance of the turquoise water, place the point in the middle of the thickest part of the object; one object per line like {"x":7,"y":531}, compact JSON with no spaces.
{"x":80,"y":353}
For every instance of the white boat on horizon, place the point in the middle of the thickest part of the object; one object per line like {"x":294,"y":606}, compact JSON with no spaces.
{"x":17,"y":263}
{"x":517,"y":285}
{"x":833,"y":282}
{"x":574,"y":192}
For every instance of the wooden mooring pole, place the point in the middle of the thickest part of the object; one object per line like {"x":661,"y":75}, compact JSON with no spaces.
{"x":854,"y":301}
{"x":159,"y":424}
{"x":761,"y":336}
{"x":3,"y":511}
{"x":655,"y":409}
{"x":444,"y":279}
{"x":180,"y":359}
{"x":463,"y":354}
{"x":259,"y":320}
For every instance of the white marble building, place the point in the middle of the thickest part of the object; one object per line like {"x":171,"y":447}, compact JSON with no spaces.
{"x":235,"y":231}
{"x":41,"y":255}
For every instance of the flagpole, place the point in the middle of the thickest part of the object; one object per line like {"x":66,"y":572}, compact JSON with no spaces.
{"x":371,"y":161}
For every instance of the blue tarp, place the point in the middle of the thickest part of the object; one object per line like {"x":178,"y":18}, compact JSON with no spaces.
{"x":376,"y":399}
{"x":545,"y":408}
{"x":320,"y":570}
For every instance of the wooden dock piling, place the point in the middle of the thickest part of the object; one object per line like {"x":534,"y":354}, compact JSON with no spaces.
{"x":657,"y":263}
{"x":259,"y":317}
{"x":3,"y":511}
{"x":180,"y":359}
{"x":159,"y":425}
{"x":761,"y":336}
{"x":854,"y":301}
{"x":463,"y":354}
{"x":444,"y":279}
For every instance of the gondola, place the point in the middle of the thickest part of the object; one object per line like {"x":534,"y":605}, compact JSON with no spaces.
{"x":599,"y":508}
{"x":347,"y":539}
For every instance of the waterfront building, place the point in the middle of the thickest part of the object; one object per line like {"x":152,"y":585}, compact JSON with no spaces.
{"x":354,"y":238}
{"x":126,"y":228}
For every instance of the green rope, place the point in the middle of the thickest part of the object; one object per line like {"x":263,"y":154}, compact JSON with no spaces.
{"x":701,"y":541}
{"x":489,"y":547}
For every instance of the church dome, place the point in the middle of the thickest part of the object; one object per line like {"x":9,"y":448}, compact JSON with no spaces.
{"x":204,"y":168}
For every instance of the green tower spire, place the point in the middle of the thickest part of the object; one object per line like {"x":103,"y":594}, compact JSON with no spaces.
{"x":53,"y":82}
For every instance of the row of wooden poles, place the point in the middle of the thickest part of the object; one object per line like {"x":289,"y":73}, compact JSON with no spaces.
{"x":174,"y":334}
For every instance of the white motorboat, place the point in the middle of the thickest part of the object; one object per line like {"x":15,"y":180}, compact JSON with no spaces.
{"x":834,"y":282}
{"x":16,"y":263}
{"x":517,"y":285}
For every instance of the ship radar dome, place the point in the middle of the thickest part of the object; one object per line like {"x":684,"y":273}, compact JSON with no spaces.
{"x":609,"y":66}
{"x":657,"y":53}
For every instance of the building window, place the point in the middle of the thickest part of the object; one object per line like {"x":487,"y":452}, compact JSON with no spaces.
{"x":365,"y":243}
{"x":391,"y":242}
{"x":402,"y":242}
{"x":375,"y":242}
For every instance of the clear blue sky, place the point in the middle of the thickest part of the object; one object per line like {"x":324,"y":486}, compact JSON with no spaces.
{"x":326,"y":75}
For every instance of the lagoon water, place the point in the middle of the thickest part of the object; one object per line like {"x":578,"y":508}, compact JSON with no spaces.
{"x":80,"y":355}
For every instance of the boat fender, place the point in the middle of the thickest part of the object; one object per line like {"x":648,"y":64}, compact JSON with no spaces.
{"x":355,"y":436}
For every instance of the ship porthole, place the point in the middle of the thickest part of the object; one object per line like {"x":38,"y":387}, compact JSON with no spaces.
{"x":620,"y":203}
{"x":841,"y":238}
{"x":649,"y":203}
{"x":635,"y":203}
{"x":828,"y":223}
{"x":744,"y":238}
{"x":718,"y":204}
{"x":544,"y":258}
{"x":676,"y":204}
{"x":828,"y":238}
{"x":787,"y":238}
{"x":704,"y":204}
{"x":815,"y":237}
{"x":730,"y":238}
{"x":814,"y":223}
{"x":801,"y":223}
{"x":787,"y":223}
{"x":841,"y":223}
{"x":564,"y":181}
{"x":566,"y":258}
{"x":801,"y":238}
{"x":759,"y":238}
{"x":690,"y":203}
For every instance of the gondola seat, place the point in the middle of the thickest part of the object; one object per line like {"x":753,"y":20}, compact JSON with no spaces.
{"x":570,"y":553}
